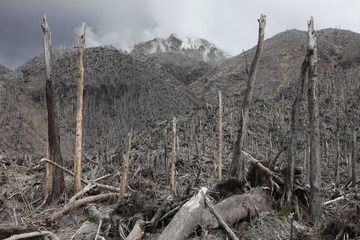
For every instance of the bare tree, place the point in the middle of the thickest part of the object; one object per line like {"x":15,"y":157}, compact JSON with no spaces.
{"x":237,"y":169}
{"x":79,"y":111}
{"x":353,"y":160}
{"x":58,"y":183}
{"x":125,"y":170}
{"x":173,"y":161}
{"x":220,"y":136}
{"x":337,"y":159}
{"x":294,"y":129}
{"x":315,"y":167}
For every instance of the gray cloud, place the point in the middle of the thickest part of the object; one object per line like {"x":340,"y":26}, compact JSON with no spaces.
{"x":231,"y":24}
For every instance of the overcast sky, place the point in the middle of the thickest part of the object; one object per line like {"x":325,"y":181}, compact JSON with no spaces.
{"x":230,"y":24}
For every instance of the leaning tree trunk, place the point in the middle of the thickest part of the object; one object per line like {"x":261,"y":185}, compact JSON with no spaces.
{"x":237,"y":169}
{"x":294,"y":129}
{"x":79,"y":111}
{"x":315,"y":167}
{"x":58,"y":183}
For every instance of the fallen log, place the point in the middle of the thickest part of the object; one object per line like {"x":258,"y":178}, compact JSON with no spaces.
{"x":99,"y":185}
{"x":186,"y":219}
{"x":79,"y":203}
{"x":234,"y":209}
{"x":7,"y":230}
{"x":138,"y":231}
{"x":349,"y":195}
{"x":266,"y":171}
{"x":47,"y":234}
{"x":220,"y":220}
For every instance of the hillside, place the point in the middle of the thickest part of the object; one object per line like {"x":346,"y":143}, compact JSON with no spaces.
{"x":142,"y":91}
{"x":4,"y":69}
{"x":120,"y":93}
{"x":280,"y":63}
{"x":187,"y":59}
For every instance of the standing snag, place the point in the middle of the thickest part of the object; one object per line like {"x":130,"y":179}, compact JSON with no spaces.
{"x":219,"y":165}
{"x":315,"y":167}
{"x":353,"y":161}
{"x":125,"y":171}
{"x":79,"y":111}
{"x":237,"y":169}
{"x":294,"y":129}
{"x":173,"y":160}
{"x":57,"y":183}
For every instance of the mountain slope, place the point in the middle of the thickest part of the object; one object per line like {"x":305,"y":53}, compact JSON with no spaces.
{"x":279,"y":64}
{"x":197,"y":48}
{"x":187,"y":59}
{"x":120,"y":93}
{"x":4,"y":70}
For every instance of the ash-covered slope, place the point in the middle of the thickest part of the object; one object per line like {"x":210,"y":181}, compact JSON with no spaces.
{"x":4,"y":70}
{"x":120,"y":93}
{"x":280,"y":63}
{"x":197,"y":48}
{"x":187,"y":59}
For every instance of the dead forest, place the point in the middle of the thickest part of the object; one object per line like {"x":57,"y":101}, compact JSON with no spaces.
{"x":239,"y":167}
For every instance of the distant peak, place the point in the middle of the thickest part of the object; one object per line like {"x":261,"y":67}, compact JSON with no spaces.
{"x":209,"y":52}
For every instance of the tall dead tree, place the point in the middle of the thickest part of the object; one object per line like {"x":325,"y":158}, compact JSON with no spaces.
{"x":337,"y":159}
{"x":125,"y":169}
{"x":173,"y":160}
{"x":219,"y":165}
{"x":315,"y":167}
{"x":58,"y":183}
{"x":79,"y":111}
{"x":353,"y":160}
{"x":237,"y":169}
{"x":295,"y":114}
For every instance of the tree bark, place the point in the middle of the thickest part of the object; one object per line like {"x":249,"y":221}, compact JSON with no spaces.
{"x":353,"y":161}
{"x":237,"y":169}
{"x":235,"y":208}
{"x":173,"y":161}
{"x":220,"y":219}
{"x":220,"y":137}
{"x":57,"y":183}
{"x":186,"y":219}
{"x":126,"y":167}
{"x":315,"y":167}
{"x":294,"y":129}
{"x":79,"y":111}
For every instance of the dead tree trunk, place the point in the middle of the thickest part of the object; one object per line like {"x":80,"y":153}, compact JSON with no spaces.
{"x":315,"y":167}
{"x":220,"y":137}
{"x":125,"y":167}
{"x":79,"y":111}
{"x":237,"y":165}
{"x":58,"y":183}
{"x":353,"y":160}
{"x":173,"y":161}
{"x":294,"y":129}
{"x":337,"y":159}
{"x":186,"y":219}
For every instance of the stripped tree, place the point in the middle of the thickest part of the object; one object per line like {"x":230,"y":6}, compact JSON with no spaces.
{"x":315,"y":167}
{"x":353,"y":160}
{"x":79,"y":111}
{"x":294,"y":129}
{"x":173,"y":160}
{"x":125,"y":169}
{"x":57,"y":183}
{"x":237,"y":169}
{"x":219,"y":165}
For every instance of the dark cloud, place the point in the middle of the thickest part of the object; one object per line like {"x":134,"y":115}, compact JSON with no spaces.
{"x":231,"y":24}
